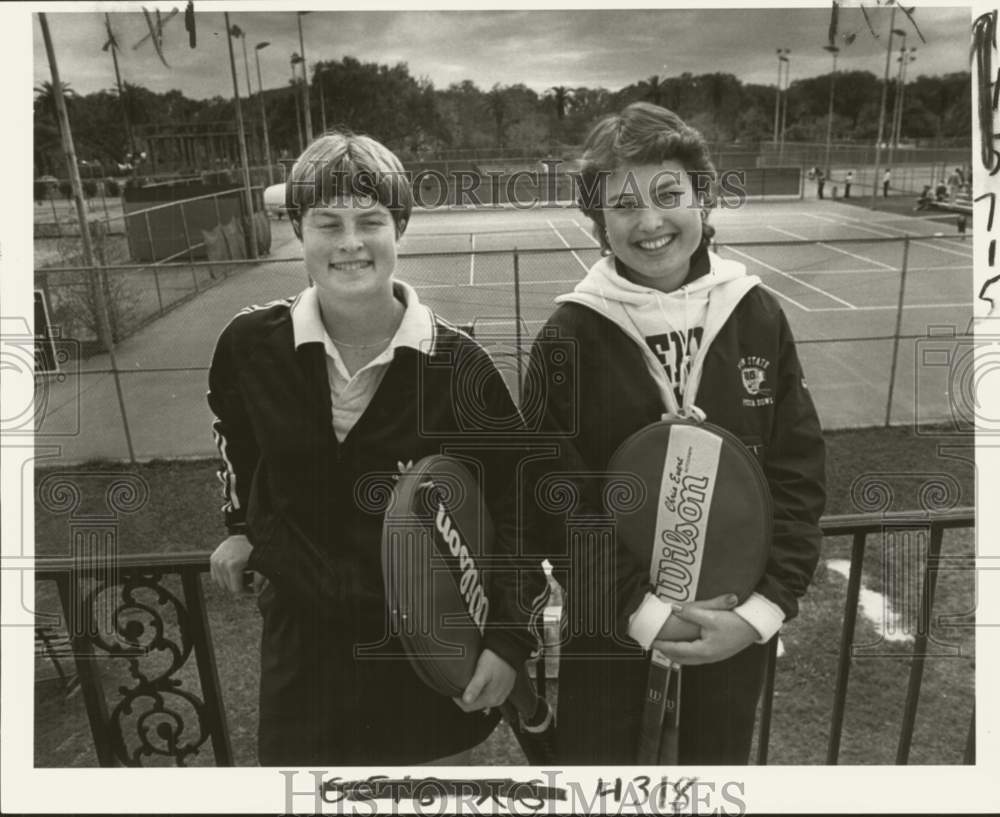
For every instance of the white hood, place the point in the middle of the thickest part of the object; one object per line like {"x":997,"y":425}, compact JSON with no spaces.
{"x":620,"y":300}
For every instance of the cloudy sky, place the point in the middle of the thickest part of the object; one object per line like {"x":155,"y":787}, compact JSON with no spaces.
{"x":594,"y":47}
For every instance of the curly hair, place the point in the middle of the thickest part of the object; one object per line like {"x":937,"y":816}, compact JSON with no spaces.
{"x":642,"y":134}
{"x":342,"y":164}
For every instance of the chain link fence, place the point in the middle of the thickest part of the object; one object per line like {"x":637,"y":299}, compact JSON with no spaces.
{"x":881,"y":326}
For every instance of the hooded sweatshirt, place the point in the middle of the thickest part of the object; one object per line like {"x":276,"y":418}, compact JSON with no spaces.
{"x":675,"y":330}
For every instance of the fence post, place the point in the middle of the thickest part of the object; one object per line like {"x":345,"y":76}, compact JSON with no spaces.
{"x":55,"y":216}
{"x":517,"y":322}
{"x":846,"y":640}
{"x":187,"y":240}
{"x":156,"y":273}
{"x":919,"y":654}
{"x":767,"y":702}
{"x":899,"y":325}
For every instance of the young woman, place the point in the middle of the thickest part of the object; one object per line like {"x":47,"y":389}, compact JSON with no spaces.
{"x":662,"y":325}
{"x":319,"y":400}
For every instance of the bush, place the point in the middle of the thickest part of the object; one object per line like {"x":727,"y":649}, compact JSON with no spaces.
{"x":75,"y":309}
{"x":89,"y":188}
{"x":111,"y":187}
{"x":66,"y":189}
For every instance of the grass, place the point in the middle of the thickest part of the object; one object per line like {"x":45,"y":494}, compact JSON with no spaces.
{"x":182,"y":515}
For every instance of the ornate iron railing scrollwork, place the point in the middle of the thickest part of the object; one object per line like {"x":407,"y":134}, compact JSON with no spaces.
{"x":152,"y":714}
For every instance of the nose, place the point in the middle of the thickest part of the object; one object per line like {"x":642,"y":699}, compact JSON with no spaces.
{"x":650,"y":218}
{"x":350,"y":241}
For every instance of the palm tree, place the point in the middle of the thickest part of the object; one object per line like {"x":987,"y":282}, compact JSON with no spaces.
{"x":654,"y":89}
{"x":562,"y":97}
{"x":45,"y":99}
{"x":47,"y":138}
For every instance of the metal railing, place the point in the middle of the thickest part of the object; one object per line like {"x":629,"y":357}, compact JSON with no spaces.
{"x":859,"y":527}
{"x":125,"y":628}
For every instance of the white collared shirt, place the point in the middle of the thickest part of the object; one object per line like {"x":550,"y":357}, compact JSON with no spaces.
{"x":351,"y":394}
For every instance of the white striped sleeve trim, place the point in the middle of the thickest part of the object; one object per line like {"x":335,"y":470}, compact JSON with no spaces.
{"x":228,"y":477}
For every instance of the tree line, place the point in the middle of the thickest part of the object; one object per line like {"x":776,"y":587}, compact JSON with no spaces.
{"x":421,"y":121}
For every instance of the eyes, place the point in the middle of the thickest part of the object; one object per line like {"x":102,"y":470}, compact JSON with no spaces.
{"x":330,"y":223}
{"x":664,"y":197}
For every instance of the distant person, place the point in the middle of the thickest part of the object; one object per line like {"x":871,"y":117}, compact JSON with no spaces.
{"x":886,"y":178}
{"x":924,"y":200}
{"x":848,"y":181}
{"x":941,"y":191}
{"x":820,"y":182}
{"x":961,"y":223}
{"x":954,"y":182}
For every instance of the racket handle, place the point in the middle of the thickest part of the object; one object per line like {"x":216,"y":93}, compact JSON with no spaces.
{"x":670,"y":740}
{"x":531,"y":720}
{"x":531,"y":707}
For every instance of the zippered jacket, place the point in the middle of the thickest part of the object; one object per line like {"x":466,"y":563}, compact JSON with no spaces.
{"x":312,"y":508}
{"x":593,"y":381}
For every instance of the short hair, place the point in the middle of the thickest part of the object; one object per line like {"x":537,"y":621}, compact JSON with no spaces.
{"x":339,"y":164}
{"x":642,"y":133}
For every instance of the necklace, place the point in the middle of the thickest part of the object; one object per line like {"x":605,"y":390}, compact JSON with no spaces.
{"x":362,"y":345}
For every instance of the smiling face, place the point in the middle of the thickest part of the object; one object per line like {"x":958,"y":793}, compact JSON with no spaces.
{"x":350,"y":248}
{"x":654,"y":222}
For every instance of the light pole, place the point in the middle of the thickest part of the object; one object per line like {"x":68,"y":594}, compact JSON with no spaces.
{"x":295,"y":95}
{"x":784,"y":60}
{"x":241,"y":135}
{"x":829,"y":117}
{"x":263,"y":114}
{"x":305,"y":82}
{"x":881,"y":111}
{"x":777,"y":95}
{"x":904,"y":58}
{"x":322,"y":101}
{"x":242,"y":36}
{"x":112,"y":43}
{"x":895,"y":97}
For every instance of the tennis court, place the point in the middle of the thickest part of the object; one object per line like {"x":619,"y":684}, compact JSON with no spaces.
{"x":841,"y":292}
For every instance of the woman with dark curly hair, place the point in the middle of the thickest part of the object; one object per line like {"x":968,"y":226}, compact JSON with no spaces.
{"x":661,"y":326}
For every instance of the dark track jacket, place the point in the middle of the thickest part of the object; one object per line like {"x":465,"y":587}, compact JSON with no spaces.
{"x":591,"y":387}
{"x":312,"y":508}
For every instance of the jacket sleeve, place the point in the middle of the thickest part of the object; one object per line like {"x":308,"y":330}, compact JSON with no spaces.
{"x":233,"y":434}
{"x":518,"y":586}
{"x":603,"y":583}
{"x":794,"y":463}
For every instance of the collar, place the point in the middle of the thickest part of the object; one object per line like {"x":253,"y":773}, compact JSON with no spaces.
{"x":417,"y":329}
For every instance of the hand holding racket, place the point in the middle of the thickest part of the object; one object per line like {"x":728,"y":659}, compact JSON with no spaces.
{"x":704,"y":528}
{"x":436,"y":534}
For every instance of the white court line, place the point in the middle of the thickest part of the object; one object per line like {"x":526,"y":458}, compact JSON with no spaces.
{"x":893,"y":307}
{"x":792,"y":301}
{"x":869,"y":270}
{"x":831,"y":247}
{"x":567,"y":245}
{"x":472,"y":260}
{"x":496,"y":284}
{"x":846,"y":222}
{"x":792,"y":278}
{"x":587,"y":233}
{"x":849,"y":223}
